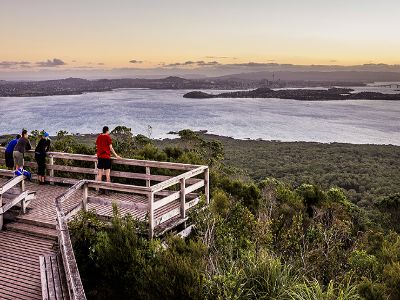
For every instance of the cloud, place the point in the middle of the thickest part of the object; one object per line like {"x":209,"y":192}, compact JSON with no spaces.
{"x":100,"y":64}
{"x":14,"y":64}
{"x":134,"y":61}
{"x":51,"y":63}
{"x":210,"y":63}
{"x":255,"y":64}
{"x":220,"y":57}
{"x":178,"y":64}
{"x":200,"y":63}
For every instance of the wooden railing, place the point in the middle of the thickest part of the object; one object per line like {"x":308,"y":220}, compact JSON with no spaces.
{"x":147,"y":176}
{"x":23,"y":197}
{"x":74,"y":282}
{"x":159,"y":195}
{"x":184,"y":187}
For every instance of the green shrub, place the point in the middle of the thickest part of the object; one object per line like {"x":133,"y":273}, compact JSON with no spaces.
{"x":312,"y":290}
{"x":372,"y":290}
{"x":391,"y":277}
{"x":364,"y":264}
{"x":220,"y":202}
{"x":268,"y":278}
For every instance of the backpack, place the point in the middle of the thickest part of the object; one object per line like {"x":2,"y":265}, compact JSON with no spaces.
{"x":21,"y":171}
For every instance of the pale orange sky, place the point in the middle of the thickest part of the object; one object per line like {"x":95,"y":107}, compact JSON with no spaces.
{"x":108,"y":34}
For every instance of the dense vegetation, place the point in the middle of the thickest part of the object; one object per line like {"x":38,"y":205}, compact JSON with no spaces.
{"x":364,"y":172}
{"x":301,"y":235}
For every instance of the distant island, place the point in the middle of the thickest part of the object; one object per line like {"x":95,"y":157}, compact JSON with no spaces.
{"x":77,"y":86}
{"x":298,"y":94}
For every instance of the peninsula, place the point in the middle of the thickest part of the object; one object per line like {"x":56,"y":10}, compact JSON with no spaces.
{"x":298,"y":94}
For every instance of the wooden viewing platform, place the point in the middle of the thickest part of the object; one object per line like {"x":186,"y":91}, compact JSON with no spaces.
{"x":36,"y":256}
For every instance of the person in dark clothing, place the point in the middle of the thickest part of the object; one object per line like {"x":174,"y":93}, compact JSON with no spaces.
{"x":21,"y":147}
{"x":40,"y":156}
{"x":9,"y":152}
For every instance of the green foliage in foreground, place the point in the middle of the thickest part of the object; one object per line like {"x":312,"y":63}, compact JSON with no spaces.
{"x":279,"y":252}
{"x":118,"y":263}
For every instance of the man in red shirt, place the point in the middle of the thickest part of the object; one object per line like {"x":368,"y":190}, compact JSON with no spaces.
{"x":104,"y":150}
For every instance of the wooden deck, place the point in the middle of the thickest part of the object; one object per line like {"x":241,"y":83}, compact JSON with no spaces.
{"x":42,"y":211}
{"x":42,"y":231}
{"x":34,"y":234}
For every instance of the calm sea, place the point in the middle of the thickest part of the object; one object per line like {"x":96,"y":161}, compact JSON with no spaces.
{"x":360,"y":121}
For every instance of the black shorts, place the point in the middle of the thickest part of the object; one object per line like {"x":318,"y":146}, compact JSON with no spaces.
{"x":104,"y":163}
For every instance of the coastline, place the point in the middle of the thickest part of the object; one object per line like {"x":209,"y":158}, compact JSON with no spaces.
{"x":78,"y":86}
{"x":90,"y":138}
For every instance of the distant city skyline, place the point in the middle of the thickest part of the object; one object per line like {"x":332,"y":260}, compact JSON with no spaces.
{"x":82,"y":37}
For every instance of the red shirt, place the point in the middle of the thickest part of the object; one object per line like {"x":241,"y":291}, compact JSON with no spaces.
{"x":103,"y":143}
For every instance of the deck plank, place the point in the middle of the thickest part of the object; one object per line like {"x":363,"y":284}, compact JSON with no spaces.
{"x":19,"y":271}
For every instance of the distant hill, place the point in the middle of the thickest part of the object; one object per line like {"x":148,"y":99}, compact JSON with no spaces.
{"x":76,"y":86}
{"x":344,"y":76}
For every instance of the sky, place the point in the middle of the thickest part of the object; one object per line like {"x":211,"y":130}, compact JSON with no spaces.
{"x":55,"y":36}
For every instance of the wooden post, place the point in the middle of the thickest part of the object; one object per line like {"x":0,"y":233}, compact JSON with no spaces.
{"x":96,"y":170}
{"x":23,"y":206}
{"x":96,"y":173}
{"x":148,"y":182}
{"x":85,"y":196}
{"x":51,"y":163}
{"x":207,"y":185}
{"x":22,"y":185}
{"x":1,"y":215}
{"x":151,"y":214}
{"x":183,"y":211}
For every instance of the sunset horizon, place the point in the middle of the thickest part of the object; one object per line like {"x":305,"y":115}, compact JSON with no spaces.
{"x":100,"y":35}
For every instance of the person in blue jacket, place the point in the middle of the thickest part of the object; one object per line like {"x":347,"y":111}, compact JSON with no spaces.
{"x":9,"y":152}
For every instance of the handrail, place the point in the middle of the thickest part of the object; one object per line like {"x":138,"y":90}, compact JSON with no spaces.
{"x":11,"y":183}
{"x":6,"y":187}
{"x":175,"y":180}
{"x":74,"y":282}
{"x":121,"y":161}
{"x":120,"y":187}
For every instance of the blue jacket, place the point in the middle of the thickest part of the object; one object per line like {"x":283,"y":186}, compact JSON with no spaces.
{"x":11,"y":146}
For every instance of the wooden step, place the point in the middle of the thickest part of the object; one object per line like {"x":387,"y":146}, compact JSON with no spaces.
{"x":26,"y":220}
{"x":52,"y":275}
{"x":32,"y":230}
{"x":169,"y":225}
